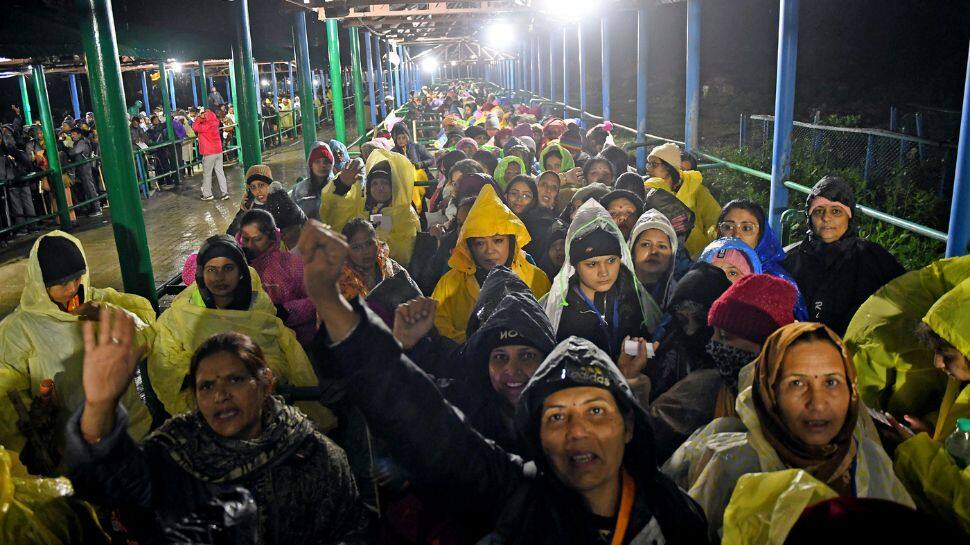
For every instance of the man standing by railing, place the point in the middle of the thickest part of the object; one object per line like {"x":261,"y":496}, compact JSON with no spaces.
{"x":206,"y":127}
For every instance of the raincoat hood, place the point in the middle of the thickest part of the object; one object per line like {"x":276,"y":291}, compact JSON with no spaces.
{"x":499,"y":283}
{"x":337,"y":147}
{"x":732,"y":243}
{"x":654,"y":219}
{"x":402,"y":175}
{"x":488,"y":217}
{"x":567,"y":158}
{"x":503,"y":166}
{"x":948,"y":319}
{"x":34,"y":298}
{"x":589,"y":217}
{"x":224,"y":246}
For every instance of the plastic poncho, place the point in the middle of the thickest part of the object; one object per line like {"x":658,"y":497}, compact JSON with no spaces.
{"x":710,"y":463}
{"x":503,"y":166}
{"x":591,"y":216}
{"x":765,"y":506}
{"x":654,"y":219}
{"x":698,"y":198}
{"x":337,"y":210}
{"x":731,"y":243}
{"x":184,"y":326}
{"x":38,"y":341}
{"x":771,"y":254}
{"x":937,"y":484}
{"x":39,"y":511}
{"x":896,"y":371}
{"x":567,"y":158}
{"x":458,"y":289}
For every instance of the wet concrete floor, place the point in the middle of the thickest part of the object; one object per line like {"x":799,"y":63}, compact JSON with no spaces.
{"x":177,"y":222}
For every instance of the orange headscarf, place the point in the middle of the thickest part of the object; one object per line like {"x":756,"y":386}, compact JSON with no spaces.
{"x":830,"y":463}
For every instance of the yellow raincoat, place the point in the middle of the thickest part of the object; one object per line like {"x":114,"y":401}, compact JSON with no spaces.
{"x":698,"y":198}
{"x":39,"y":511}
{"x":337,"y":210}
{"x":712,"y":460}
{"x":38,"y":341}
{"x":457,"y":290}
{"x":895,"y":369}
{"x":184,"y":326}
{"x":765,"y":506}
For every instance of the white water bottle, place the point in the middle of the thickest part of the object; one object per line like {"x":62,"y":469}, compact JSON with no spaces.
{"x":958,"y":443}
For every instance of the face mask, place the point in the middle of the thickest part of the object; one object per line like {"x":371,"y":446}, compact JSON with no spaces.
{"x":729,"y":361}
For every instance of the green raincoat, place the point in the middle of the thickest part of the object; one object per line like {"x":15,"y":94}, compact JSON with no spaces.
{"x":503,"y":166}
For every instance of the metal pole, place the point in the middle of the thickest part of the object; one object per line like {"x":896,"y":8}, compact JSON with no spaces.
{"x":958,"y":235}
{"x":582,"y":71}
{"x":552,"y":66}
{"x":74,"y":100}
{"x":229,"y":94}
{"x":565,"y":69}
{"x":204,"y":90}
{"x":144,"y":90}
{"x":171,"y":87}
{"x":380,"y":76}
{"x":539,"y":70}
{"x":693,"y":73}
{"x":530,"y":49}
{"x":643,"y":43}
{"x":391,"y":84}
{"x":358,"y":79}
{"x":784,"y":110}
{"x":369,"y":53}
{"x":333,"y":49}
{"x":108,"y":99}
{"x":290,"y":81}
{"x":232,"y":87}
{"x":167,"y":111}
{"x":307,"y":109}
{"x":605,"y":46}
{"x":247,"y":92}
{"x":195,"y":93}
{"x":50,"y":145}
{"x":25,"y":99}
{"x":276,"y":89}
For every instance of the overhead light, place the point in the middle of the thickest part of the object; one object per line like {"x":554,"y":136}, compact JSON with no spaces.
{"x":499,"y":34}
{"x":429,"y":64}
{"x":264,"y":83}
{"x":570,"y":10}
{"x":316,"y":81}
{"x":176,"y":66}
{"x":394,"y":58}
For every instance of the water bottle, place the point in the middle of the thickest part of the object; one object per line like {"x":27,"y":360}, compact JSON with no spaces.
{"x":958,"y":443}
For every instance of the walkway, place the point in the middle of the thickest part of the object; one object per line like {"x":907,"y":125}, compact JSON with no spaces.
{"x":177,"y":222}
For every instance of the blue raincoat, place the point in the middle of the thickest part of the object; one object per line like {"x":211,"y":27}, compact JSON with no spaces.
{"x":339,"y":150}
{"x":771,"y":254}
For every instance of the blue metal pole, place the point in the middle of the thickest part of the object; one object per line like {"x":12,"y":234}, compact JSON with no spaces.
{"x":539,"y":68}
{"x":605,"y":41}
{"x":171,"y":88}
{"x":144,"y":90}
{"x":531,"y":48}
{"x":867,"y":166}
{"x":74,"y":101}
{"x":276,"y":89}
{"x":391,"y":86}
{"x":380,"y":76}
{"x":958,"y":235}
{"x":565,"y":69}
{"x":195,"y":93}
{"x":919,"y":132}
{"x":290,"y":79}
{"x":552,"y":64}
{"x":642,"y":45}
{"x":370,"y":77}
{"x":582,"y":72}
{"x":693,"y":105}
{"x":784,"y":110}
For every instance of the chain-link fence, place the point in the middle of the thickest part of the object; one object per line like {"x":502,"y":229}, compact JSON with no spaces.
{"x":877,"y":154}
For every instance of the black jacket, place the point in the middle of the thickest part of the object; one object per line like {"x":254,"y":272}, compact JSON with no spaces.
{"x":445,"y":453}
{"x":578,"y":319}
{"x":418,"y":156}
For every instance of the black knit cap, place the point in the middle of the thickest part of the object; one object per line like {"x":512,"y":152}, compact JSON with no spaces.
{"x":227,"y":247}
{"x":60,"y":260}
{"x":596,"y":243}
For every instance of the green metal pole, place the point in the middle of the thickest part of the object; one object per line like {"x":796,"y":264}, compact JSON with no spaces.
{"x":25,"y":99}
{"x":50,"y":144}
{"x":204,"y":99}
{"x":247,"y":114}
{"x":305,"y":77}
{"x":232,"y":87}
{"x":167,"y":111}
{"x":358,"y":81}
{"x":336,"y":87}
{"x":108,"y":98}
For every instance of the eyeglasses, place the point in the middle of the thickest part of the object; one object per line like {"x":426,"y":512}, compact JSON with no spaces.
{"x":731,"y":227}
{"x":519,"y":196}
{"x":654,"y":164}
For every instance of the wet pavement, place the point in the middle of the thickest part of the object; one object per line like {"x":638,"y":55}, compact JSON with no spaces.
{"x":176,"y":221}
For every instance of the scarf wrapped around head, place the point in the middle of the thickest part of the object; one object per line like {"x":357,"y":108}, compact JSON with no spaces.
{"x":831,"y":463}
{"x":352,"y":284}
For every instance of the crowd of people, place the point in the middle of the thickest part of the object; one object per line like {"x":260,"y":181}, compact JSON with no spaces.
{"x":506,"y":336}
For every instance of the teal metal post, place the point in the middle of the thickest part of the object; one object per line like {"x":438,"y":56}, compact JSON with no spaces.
{"x":358,"y":79}
{"x":247,"y":95}
{"x":958,"y":234}
{"x":108,"y":99}
{"x":232,"y":87}
{"x":784,"y":110}
{"x":167,"y":110}
{"x":381,"y":93}
{"x":693,"y":105}
{"x":643,"y":43}
{"x":74,"y":101}
{"x":305,"y":75}
{"x":171,"y":88}
{"x":336,"y":88}
{"x":605,"y":46}
{"x":370,"y":77}
{"x":25,"y":100}
{"x":202,"y":84}
{"x":195,"y":94}
{"x":50,"y":145}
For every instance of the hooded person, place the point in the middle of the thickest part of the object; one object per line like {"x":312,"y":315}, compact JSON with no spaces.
{"x":598,"y":137}
{"x":42,"y":340}
{"x":632,"y":182}
{"x":836,"y":269}
{"x":598,"y":276}
{"x":732,"y":256}
{"x":552,"y":129}
{"x":598,"y":169}
{"x":341,"y":156}
{"x":618,"y":157}
{"x":839,"y":446}
{"x":556,"y":158}
{"x":552,"y":254}
{"x":653,"y":248}
{"x":467,"y":145}
{"x":491,"y":235}
{"x":548,"y":184}
{"x":509,"y":168}
{"x":576,"y":199}
{"x":684,"y":332}
{"x":664,"y":162}
{"x":385,"y":200}
{"x":624,"y":207}
{"x":745,"y":220}
{"x":477,"y":133}
{"x":227,"y":295}
{"x":415,"y":152}
{"x":263,"y":193}
{"x":573,"y":140}
{"x":306,"y":192}
{"x":681,"y":218}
